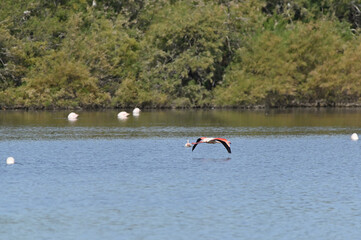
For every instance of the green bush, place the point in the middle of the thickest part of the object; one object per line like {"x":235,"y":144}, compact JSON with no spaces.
{"x":60,"y":82}
{"x":274,"y":69}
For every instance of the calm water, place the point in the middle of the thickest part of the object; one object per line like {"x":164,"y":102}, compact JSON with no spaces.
{"x":291,"y":175}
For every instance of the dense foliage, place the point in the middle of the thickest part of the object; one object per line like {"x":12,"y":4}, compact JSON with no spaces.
{"x":179,"y":53}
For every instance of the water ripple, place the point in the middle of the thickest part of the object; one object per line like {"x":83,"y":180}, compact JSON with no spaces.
{"x":31,"y":133}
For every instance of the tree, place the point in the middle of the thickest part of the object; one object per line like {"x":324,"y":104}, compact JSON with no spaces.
{"x":12,"y":60}
{"x":183,"y":48}
{"x":338,"y":79}
{"x":275,"y":69}
{"x":58,"y":81}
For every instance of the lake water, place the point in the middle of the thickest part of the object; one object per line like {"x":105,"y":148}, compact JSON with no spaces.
{"x":291,"y":175}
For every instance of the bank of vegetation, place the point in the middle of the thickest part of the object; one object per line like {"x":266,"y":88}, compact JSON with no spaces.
{"x":179,"y":53}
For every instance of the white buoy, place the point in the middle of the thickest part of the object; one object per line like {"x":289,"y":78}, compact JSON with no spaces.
{"x":354,"y":137}
{"x":122,"y":114}
{"x":72,"y":116}
{"x":10,"y":160}
{"x":136,"y":112}
{"x":188,"y":144}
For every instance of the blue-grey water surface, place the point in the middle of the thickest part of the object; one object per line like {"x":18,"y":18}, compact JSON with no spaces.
{"x":291,"y":175}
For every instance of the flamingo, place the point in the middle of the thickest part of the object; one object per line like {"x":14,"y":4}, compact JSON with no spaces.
{"x":188,"y":144}
{"x":225,"y":142}
{"x":72,"y":116}
{"x":123,"y":115}
{"x":136,"y":112}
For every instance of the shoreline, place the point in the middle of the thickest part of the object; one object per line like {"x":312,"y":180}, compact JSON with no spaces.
{"x":354,"y":105}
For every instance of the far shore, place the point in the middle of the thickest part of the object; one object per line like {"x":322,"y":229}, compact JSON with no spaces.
{"x":317,"y":105}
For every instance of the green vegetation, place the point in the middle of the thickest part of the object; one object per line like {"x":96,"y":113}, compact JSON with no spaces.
{"x":179,"y":53}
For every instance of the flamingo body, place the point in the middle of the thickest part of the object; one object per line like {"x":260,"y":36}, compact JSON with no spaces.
{"x":225,"y":142}
{"x":123,"y":114}
{"x":188,"y":144}
{"x":136,"y":112}
{"x":72,"y":116}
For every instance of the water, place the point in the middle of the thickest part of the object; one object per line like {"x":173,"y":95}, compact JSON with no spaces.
{"x":291,"y":175}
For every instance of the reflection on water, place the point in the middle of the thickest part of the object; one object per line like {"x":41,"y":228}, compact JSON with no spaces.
{"x":195,"y":118}
{"x":178,"y":123}
{"x":212,"y":159}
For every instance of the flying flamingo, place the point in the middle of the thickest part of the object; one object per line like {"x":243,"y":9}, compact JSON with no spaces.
{"x":225,"y":142}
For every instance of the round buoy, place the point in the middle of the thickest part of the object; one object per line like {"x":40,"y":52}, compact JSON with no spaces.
{"x":354,"y":137}
{"x":10,"y":160}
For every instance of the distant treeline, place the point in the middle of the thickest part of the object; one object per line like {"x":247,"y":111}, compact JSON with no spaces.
{"x":173,"y":53}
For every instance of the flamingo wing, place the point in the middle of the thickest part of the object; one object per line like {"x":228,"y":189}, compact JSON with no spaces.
{"x":225,"y":144}
{"x":195,"y":144}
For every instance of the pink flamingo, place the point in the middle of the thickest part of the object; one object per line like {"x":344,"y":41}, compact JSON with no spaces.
{"x":225,"y":142}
